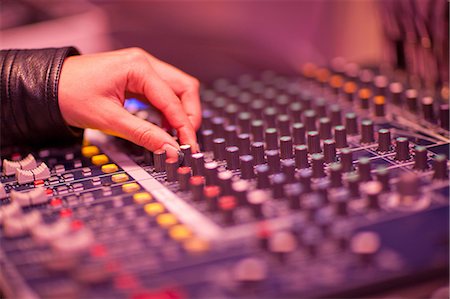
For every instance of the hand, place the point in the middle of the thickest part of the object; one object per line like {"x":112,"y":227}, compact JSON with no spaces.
{"x":92,"y":92}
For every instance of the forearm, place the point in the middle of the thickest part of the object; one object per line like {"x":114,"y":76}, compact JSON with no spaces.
{"x":30,"y":112}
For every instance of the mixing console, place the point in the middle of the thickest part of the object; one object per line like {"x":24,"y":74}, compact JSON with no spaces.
{"x":324,"y":184}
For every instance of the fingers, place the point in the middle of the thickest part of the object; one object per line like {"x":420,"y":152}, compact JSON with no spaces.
{"x":185,"y":87}
{"x":143,"y":79}
{"x":139,"y":131}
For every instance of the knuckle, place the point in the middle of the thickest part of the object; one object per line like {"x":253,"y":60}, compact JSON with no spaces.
{"x":135,"y":54}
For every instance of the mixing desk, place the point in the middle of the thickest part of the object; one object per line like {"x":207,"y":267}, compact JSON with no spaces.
{"x":323,"y":184}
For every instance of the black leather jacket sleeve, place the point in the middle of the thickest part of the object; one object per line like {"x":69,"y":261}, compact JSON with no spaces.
{"x":30,"y":112}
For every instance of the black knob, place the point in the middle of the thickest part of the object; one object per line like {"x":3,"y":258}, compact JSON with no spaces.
{"x":351,"y":123}
{"x":305,"y":179}
{"x":183,"y":176}
{"x":402,"y":149}
{"x":171,"y":169}
{"x":309,"y":120}
{"x":271,"y":137}
{"x":256,"y":199}
{"x":217,"y":126}
{"x":198,"y":165}
{"x":207,"y":140}
{"x":288,"y":168}
{"x":411,"y":99}
{"x":244,"y":144}
{"x":232,"y":157}
{"x":258,"y":153}
{"x":284,"y":124}
{"x":257,"y":107}
{"x":293,"y":193}
{"x":187,"y":152}
{"x":295,"y":111}
{"x":364,"y":95}
{"x":301,"y":157}
{"x":324,"y":128}
{"x":329,"y":150}
{"x":262,"y":176}
{"x":420,"y":158}
{"x":240,"y":189}
{"x":231,"y":111}
{"x":382,"y":174}
{"x":396,"y":90}
{"x":313,"y":142}
{"x":230,"y":135}
{"x":353,"y":184}
{"x":225,"y":179}
{"x":364,"y":169}
{"x":367,"y":131}
{"x":298,"y":132}
{"x":335,"y":175}
{"x":273,"y":160}
{"x":335,"y":115}
{"x":246,"y":165}
{"x":440,"y":167}
{"x":257,"y":129}
{"x":340,"y":136}
{"x":278,"y":182}
{"x":286,"y":147}
{"x":427,"y":109}
{"x":384,"y":140}
{"x":211,"y":173}
{"x":444,"y":116}
{"x":159,"y":158}
{"x":317,"y":165}
{"x":244,"y":122}
{"x":219,"y":149}
{"x":320,"y":107}
{"x":346,"y":159}
{"x":269,"y":116}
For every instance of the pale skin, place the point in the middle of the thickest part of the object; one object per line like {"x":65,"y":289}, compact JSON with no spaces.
{"x":93,"y":88}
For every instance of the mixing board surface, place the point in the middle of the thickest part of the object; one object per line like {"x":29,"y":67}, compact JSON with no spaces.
{"x":319,"y":185}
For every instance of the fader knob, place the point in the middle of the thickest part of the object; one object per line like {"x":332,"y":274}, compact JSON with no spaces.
{"x":310,"y":120}
{"x":183,"y":176}
{"x":244,"y":144}
{"x":257,"y":128}
{"x":402,"y":149}
{"x":288,"y":168}
{"x":335,"y":175}
{"x":324,"y":128}
{"x":211,"y":173}
{"x":186,"y":150}
{"x":346,"y":159}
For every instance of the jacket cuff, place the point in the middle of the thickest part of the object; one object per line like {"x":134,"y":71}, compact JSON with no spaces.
{"x":29,"y":92}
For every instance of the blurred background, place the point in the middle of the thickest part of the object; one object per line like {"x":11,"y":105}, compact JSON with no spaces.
{"x":210,"y":39}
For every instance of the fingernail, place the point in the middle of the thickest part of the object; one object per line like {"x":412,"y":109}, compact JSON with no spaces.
{"x":171,"y":151}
